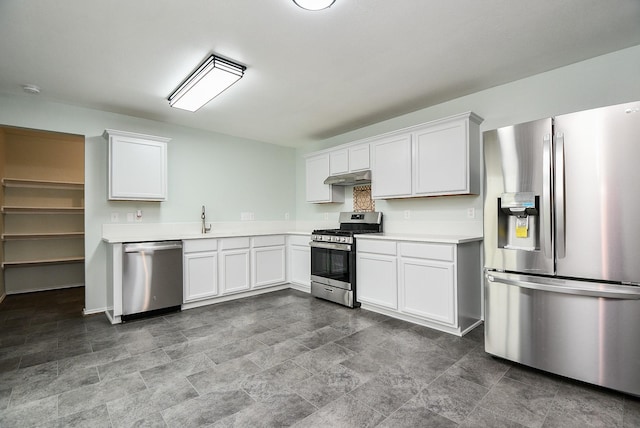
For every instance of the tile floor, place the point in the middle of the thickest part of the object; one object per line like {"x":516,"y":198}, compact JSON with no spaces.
{"x":280,"y":359}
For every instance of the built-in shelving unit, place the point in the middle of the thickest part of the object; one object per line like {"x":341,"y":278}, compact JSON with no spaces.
{"x":42,"y":210}
{"x":37,"y":198}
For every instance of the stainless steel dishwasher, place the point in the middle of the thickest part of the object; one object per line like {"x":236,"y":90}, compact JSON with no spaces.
{"x":151,"y":278}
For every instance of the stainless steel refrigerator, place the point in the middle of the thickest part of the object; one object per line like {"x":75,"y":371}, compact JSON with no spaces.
{"x":562,"y":245}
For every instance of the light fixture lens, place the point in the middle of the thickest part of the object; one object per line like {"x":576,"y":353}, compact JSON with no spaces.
{"x":212,"y":78}
{"x":31,"y":89}
{"x":314,"y":4}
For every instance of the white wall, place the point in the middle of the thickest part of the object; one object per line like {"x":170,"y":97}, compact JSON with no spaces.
{"x":229,"y":175}
{"x":605,"y":80}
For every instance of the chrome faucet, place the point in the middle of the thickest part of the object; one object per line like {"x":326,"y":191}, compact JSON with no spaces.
{"x":205,"y":229}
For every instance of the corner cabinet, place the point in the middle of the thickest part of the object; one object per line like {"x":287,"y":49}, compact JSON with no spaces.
{"x":137,"y":166}
{"x":317,"y":170}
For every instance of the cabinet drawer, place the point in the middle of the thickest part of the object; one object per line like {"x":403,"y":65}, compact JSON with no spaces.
{"x":444,"y":252}
{"x":299,"y":240}
{"x":234,"y":243}
{"x":268,"y":241}
{"x":196,"y":245}
{"x":377,"y":247}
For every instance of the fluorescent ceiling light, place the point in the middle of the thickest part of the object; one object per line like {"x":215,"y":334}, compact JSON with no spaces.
{"x":314,"y":4}
{"x":207,"y":82}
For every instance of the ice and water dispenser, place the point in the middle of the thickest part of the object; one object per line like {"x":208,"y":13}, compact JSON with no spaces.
{"x":518,"y":221}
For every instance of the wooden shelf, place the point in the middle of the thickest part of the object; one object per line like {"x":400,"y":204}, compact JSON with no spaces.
{"x":44,"y":235}
{"x":43,"y":210}
{"x":42,"y":184}
{"x":42,"y":262}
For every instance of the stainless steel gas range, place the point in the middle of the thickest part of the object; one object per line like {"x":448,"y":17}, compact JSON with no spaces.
{"x":333,"y":257}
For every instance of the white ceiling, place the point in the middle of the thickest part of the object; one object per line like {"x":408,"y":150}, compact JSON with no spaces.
{"x":310,"y":75}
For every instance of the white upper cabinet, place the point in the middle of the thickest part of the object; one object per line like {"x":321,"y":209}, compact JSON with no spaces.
{"x":317,"y":170}
{"x":391,"y":167}
{"x":447,"y":158}
{"x":137,"y":166}
{"x":359,"y":158}
{"x":349,"y":159}
{"x":339,"y":161}
{"x":438,"y":158}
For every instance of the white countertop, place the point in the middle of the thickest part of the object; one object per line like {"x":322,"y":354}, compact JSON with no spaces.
{"x":440,"y":239}
{"x":146,"y":232}
{"x":115,"y":234}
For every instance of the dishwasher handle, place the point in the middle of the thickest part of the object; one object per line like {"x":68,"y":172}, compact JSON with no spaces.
{"x":139,"y":247}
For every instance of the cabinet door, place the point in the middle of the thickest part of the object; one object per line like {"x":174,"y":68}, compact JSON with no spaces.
{"x":268,"y":266}
{"x":200,"y":275}
{"x":339,"y":161}
{"x":391,"y":168}
{"x":442,"y":159}
{"x":359,"y":157}
{"x":427,"y":290}
{"x":377,"y":280}
{"x":234,"y":271}
{"x":317,"y":170}
{"x":300,"y":265}
{"x":137,"y":168}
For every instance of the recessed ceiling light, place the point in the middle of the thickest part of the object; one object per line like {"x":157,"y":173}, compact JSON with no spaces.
{"x":314,"y":4}
{"x":31,"y":89}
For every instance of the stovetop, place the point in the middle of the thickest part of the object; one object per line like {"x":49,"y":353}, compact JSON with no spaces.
{"x":350,"y":224}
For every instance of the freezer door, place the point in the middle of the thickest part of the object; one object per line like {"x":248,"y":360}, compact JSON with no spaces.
{"x":518,"y":201}
{"x":597,"y":156}
{"x":583,"y":330}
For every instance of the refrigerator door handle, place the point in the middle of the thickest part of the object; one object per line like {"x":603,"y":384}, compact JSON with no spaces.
{"x":596,"y":290}
{"x":547,"y":233}
{"x":559,"y":197}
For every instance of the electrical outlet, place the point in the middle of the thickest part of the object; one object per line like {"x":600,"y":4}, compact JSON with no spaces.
{"x":471,"y":213}
{"x":138,"y":216}
{"x":115,"y":217}
{"x":326,"y":216}
{"x":129,"y":217}
{"x":252,"y":216}
{"x":407,"y":214}
{"x":286,"y":216}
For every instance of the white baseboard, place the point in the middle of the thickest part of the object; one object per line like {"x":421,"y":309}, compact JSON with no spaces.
{"x":86,"y":311}
{"x":300,"y":287}
{"x":33,"y":290}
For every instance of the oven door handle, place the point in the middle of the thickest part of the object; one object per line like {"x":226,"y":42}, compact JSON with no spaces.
{"x":330,"y":246}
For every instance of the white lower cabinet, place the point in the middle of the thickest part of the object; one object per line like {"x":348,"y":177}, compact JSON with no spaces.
{"x":434,"y":284}
{"x":235,"y":265}
{"x":377,"y":274}
{"x":427,"y":289}
{"x":200,"y":276}
{"x":268,"y":261}
{"x":299,"y":261}
{"x":200,"y":269}
{"x":377,"y":280}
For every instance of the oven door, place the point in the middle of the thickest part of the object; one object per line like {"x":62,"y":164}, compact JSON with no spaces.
{"x":333,"y":264}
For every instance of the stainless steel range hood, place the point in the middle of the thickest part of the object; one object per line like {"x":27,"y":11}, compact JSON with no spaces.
{"x":351,"y":179}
